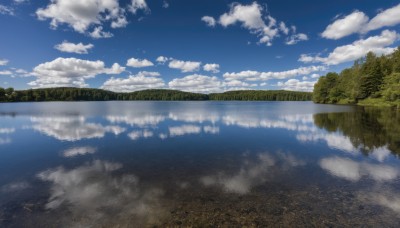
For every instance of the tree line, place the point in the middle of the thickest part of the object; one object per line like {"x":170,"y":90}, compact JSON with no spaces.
{"x":371,"y":80}
{"x":87,"y":94}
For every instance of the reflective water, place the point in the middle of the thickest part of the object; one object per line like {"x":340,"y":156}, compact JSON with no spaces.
{"x":138,"y":164}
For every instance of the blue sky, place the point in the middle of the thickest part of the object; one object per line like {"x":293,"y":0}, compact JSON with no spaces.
{"x":201,"y":45}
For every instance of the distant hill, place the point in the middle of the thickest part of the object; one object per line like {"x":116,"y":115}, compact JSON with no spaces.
{"x":87,"y":94}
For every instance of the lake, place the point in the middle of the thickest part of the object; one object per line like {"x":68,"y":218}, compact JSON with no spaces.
{"x":159,"y":164}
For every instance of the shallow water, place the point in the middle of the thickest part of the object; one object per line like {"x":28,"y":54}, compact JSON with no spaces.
{"x":138,"y":164}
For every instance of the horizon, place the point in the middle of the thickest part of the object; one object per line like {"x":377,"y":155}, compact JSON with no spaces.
{"x":199,"y":47}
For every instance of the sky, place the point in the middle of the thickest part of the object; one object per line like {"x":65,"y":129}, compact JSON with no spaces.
{"x":200,"y":46}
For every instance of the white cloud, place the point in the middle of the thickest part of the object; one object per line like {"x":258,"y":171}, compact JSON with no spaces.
{"x":66,"y":72}
{"x":315,"y":76}
{"x":342,"y":27}
{"x":296,"y":85}
{"x":257,"y":20}
{"x":162,"y":59}
{"x":358,"y":22}
{"x":184,"y":66}
{"x":5,"y":72}
{"x":250,"y":16}
{"x":196,"y":83}
{"x":263,"y":76}
{"x":98,"y":33}
{"x":20,"y":1}
{"x":141,"y":81}
{"x":76,"y":151}
{"x":283,"y":28}
{"x":378,"y":44}
{"x":237,"y":83}
{"x":211,"y":67}
{"x":3,"y":62}
{"x":386,"y":18}
{"x":184,"y":130}
{"x":138,"y":63}
{"x":81,"y":15}
{"x":79,"y":48}
{"x":165,"y":4}
{"x":210,"y":21}
{"x":138,"y":5}
{"x":5,"y":10}
{"x":294,"y":39}
{"x":15,"y":186}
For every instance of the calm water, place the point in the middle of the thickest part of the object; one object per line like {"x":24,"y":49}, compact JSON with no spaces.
{"x":135,"y":164}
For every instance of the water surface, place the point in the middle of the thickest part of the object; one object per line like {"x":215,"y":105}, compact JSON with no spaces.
{"x":136,"y":164}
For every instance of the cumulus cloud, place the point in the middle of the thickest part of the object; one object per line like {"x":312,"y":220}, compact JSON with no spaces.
{"x":3,"y":62}
{"x":20,"y":1}
{"x":210,"y":21}
{"x":378,"y":44}
{"x":78,"y":48}
{"x":296,"y":85}
{"x":358,"y":22}
{"x":81,"y":16}
{"x":70,"y":72}
{"x":5,"y":10}
{"x":263,"y":76}
{"x":98,"y":33}
{"x":138,"y":63}
{"x":5,"y":72}
{"x":196,"y":83}
{"x":162,"y":59}
{"x":257,"y":20}
{"x":294,"y":39}
{"x":141,"y":81}
{"x":184,"y":66}
{"x":138,"y":5}
{"x":211,"y":67}
{"x":345,"y":26}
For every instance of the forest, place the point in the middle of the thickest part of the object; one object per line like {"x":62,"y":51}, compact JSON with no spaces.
{"x":87,"y":94}
{"x":373,"y":80}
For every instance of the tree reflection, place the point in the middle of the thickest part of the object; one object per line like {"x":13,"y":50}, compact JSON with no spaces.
{"x":367,"y":128}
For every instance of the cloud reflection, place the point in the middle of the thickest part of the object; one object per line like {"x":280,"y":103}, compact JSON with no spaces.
{"x":93,"y":191}
{"x":72,"y":128}
{"x":252,"y":173}
{"x":184,"y":130}
{"x":76,"y":151}
{"x":353,"y":171}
